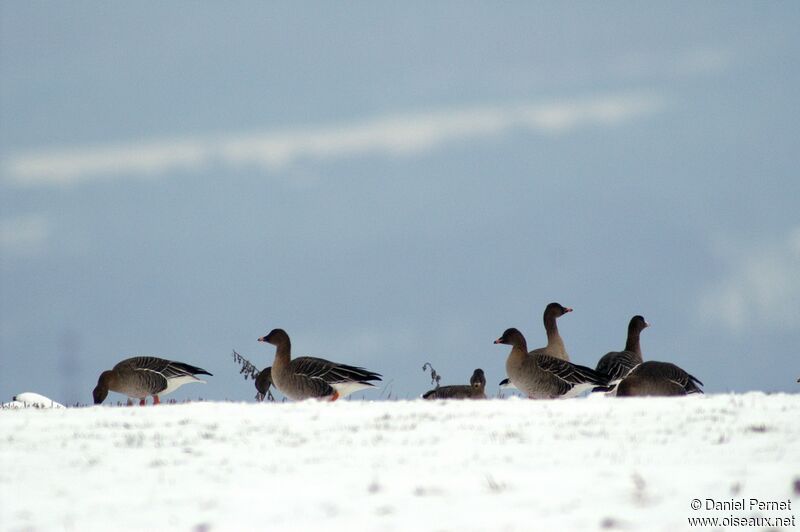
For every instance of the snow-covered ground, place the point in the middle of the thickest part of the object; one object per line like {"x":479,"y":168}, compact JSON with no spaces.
{"x":597,"y":463}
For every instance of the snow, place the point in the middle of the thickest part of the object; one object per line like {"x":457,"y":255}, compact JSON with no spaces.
{"x":514,"y":464}
{"x":31,"y":400}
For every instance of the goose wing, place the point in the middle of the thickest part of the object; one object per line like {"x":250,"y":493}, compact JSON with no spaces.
{"x":568,"y":372}
{"x":145,"y":373}
{"x":168,"y":368}
{"x":617,"y":364}
{"x":331,"y":372}
{"x":154,"y":374}
{"x":671,"y":372}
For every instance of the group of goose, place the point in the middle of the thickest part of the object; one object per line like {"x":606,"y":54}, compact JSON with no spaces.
{"x":543,"y":373}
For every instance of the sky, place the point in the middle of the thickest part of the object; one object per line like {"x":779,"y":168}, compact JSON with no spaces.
{"x":395,"y":184}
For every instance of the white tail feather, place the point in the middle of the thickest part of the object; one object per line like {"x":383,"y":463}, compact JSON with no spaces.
{"x":348,"y":387}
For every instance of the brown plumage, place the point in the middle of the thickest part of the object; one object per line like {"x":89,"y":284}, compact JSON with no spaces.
{"x":263,"y":383}
{"x":138,"y":377}
{"x":543,"y":377}
{"x":311,"y":377}
{"x":634,"y":386}
{"x":617,"y":364}
{"x":475,"y":389}
{"x":658,"y":378}
{"x":555,"y":344}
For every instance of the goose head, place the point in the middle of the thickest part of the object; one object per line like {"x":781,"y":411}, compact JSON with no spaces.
{"x":104,"y":382}
{"x":512,"y":337}
{"x":275,"y":337}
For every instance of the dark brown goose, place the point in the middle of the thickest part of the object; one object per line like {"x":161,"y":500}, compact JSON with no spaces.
{"x":311,"y":377}
{"x":555,"y":344}
{"x":658,"y":378}
{"x":139,"y":377}
{"x":542,"y":376}
{"x":617,"y":364}
{"x":263,"y":383}
{"x":475,"y":389}
{"x":640,"y":386}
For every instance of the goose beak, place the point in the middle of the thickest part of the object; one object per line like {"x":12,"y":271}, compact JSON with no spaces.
{"x":567,"y":310}
{"x":262,"y":339}
{"x":499,"y":341}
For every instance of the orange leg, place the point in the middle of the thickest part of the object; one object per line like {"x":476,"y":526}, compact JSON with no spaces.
{"x":156,"y":400}
{"x":142,"y":402}
{"x":335,"y":396}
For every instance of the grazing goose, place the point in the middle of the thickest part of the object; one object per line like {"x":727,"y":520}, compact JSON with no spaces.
{"x":139,"y":377}
{"x":263,"y":383}
{"x":658,"y":378}
{"x":475,"y":389}
{"x":310,"y":377}
{"x":555,"y":344}
{"x":617,"y":364}
{"x":543,"y":377}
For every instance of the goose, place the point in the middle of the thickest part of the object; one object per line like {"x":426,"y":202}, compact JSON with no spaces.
{"x":543,"y":377}
{"x":555,"y":344}
{"x":311,"y":377}
{"x":474,"y":390}
{"x":617,"y":364}
{"x":263,"y":383}
{"x":658,"y":378}
{"x":633,"y":386}
{"x":138,"y":377}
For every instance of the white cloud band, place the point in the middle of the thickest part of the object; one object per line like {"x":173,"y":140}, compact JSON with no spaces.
{"x":392,"y":135}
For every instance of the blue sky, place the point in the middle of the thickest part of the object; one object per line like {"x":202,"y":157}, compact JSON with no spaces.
{"x":396,"y":184}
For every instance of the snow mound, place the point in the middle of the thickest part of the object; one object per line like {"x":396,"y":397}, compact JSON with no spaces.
{"x":31,"y":400}
{"x":602,"y":464}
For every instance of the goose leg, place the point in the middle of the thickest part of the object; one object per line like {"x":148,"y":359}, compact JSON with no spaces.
{"x":156,"y":400}
{"x":142,"y":402}
{"x":335,"y":396}
{"x":130,"y":401}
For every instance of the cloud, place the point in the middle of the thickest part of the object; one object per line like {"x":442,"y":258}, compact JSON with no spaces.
{"x":389,"y":135}
{"x":761,"y":288}
{"x":24,"y":235}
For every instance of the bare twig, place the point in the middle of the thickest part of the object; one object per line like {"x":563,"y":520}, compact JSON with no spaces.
{"x":248,"y":369}
{"x":435,"y":377}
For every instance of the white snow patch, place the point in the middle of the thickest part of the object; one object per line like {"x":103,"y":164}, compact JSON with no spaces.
{"x":632,"y":464}
{"x":31,"y":400}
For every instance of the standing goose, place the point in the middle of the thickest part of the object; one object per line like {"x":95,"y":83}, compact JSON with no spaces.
{"x":555,"y":344}
{"x":617,"y":364}
{"x":658,"y":378}
{"x":139,"y":377}
{"x":544,"y":377}
{"x":311,"y":377}
{"x":475,"y":389}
